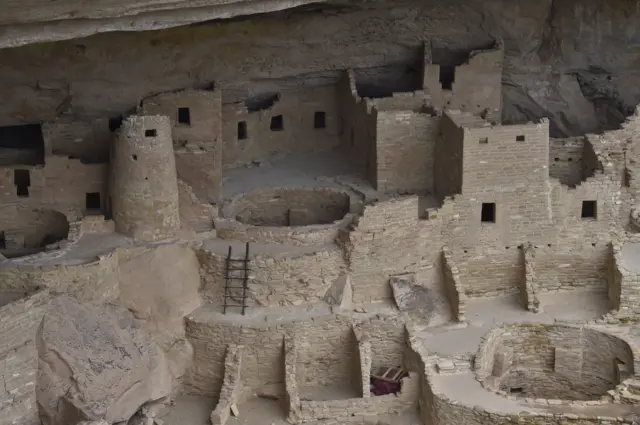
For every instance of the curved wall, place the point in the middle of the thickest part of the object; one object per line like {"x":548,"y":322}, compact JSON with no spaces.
{"x":144,"y":183}
{"x":26,"y":230}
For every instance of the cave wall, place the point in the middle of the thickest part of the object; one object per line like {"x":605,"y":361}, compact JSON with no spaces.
{"x":554,"y":52}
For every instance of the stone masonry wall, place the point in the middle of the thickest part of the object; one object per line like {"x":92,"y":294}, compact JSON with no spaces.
{"x":281,"y":280}
{"x":448,"y":159}
{"x":565,"y":160}
{"x":84,"y":139}
{"x":489,"y":273}
{"x":405,"y":147}
{"x":61,"y":184}
{"x":19,"y":359}
{"x":198,"y":142}
{"x":297,"y":135}
{"x":359,"y":127}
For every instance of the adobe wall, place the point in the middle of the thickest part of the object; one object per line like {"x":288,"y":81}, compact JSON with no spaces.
{"x":477,"y":85}
{"x":359,"y":128}
{"x":198,"y":144}
{"x":565,"y":160}
{"x":405,"y":147}
{"x":61,"y":183}
{"x":19,"y":358}
{"x":283,"y":279}
{"x":144,"y":185}
{"x":298,"y":133}
{"x":85,"y":139}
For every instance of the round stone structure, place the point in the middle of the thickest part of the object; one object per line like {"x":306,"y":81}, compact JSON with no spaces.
{"x":25,"y":230}
{"x":143,"y":182}
{"x":559,"y":362}
{"x":288,"y":207}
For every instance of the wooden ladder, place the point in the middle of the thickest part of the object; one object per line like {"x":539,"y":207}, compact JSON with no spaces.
{"x":236,"y":265}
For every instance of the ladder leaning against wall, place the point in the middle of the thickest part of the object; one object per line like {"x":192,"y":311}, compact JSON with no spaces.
{"x":235,"y":288}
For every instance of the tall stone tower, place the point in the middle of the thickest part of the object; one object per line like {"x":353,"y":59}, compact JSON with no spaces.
{"x":143,"y":183}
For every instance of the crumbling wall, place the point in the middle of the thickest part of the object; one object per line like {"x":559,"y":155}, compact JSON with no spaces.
{"x":19,"y":359}
{"x":624,"y":286}
{"x":194,"y":214}
{"x":254,"y":135}
{"x":231,"y":385}
{"x":359,"y":128}
{"x":144,"y":186}
{"x":453,"y":287}
{"x":477,"y":84}
{"x":405,"y":146}
{"x":196,"y":128}
{"x":84,"y":139}
{"x":27,"y":230}
{"x":383,"y":242}
{"x":448,"y":158}
{"x":565,"y":160}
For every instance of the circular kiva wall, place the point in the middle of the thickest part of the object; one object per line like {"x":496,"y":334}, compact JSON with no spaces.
{"x":288,"y":207}
{"x":552,"y":362}
{"x":25,"y":231}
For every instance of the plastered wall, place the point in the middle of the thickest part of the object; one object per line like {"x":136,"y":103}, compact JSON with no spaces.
{"x":297,"y":107}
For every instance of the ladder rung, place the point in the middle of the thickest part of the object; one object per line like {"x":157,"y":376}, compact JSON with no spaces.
{"x":234,"y":278}
{"x":234,"y":269}
{"x":231,"y":296}
{"x":235,"y":287}
{"x":244,"y":260}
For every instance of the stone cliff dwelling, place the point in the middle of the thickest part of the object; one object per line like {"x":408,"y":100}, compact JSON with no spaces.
{"x":397,"y":213}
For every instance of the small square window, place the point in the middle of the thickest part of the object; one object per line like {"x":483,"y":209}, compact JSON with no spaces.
{"x":92,"y":201}
{"x":488,"y":213}
{"x":184,"y":116}
{"x":520,"y":138}
{"x":484,"y":140}
{"x":319,"y":120}
{"x":150,"y":133}
{"x":277,"y":123}
{"x":242,"y":130}
{"x":589,"y":209}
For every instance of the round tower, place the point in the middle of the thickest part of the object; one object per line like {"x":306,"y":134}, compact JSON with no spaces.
{"x":143,"y":183}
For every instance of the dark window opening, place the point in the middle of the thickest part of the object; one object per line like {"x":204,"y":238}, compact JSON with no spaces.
{"x":515,"y":390}
{"x":115,"y":123}
{"x":483,"y":140}
{"x":134,"y":157}
{"x":27,"y":142}
{"x":520,"y":138}
{"x":488,"y":214}
{"x":589,"y":209}
{"x":150,"y":133}
{"x":319,"y":120}
{"x":3,"y":241}
{"x":627,"y":177}
{"x":22,"y":181}
{"x":242,"y":130}
{"x":184,"y":116}
{"x":277,"y":123}
{"x":92,"y":201}
{"x":447,"y":76}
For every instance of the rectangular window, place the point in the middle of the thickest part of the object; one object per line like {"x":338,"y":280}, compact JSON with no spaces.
{"x":589,"y":209}
{"x":515,"y":390}
{"x":92,"y":201}
{"x":447,"y":77}
{"x":277,"y":123}
{"x":319,"y":120}
{"x":184,"y":116}
{"x":520,"y":138}
{"x":150,"y":133}
{"x":242,"y":130}
{"x":22,"y":181}
{"x":484,"y":140}
{"x":488,"y":214}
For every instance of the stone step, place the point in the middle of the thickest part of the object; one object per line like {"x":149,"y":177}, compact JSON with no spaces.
{"x":634,"y":386}
{"x":630,"y":398}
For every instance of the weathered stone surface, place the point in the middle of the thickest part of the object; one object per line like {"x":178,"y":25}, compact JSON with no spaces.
{"x":635,"y":218}
{"x":95,"y":363}
{"x":341,"y":292}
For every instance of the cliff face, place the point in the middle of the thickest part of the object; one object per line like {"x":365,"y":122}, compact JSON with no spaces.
{"x":573,"y":61}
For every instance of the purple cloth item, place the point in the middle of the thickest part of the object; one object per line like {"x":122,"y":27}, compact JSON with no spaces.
{"x":383,"y":387}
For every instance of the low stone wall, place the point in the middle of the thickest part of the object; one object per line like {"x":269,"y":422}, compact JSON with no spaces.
{"x":453,"y":287}
{"x":529,"y":290}
{"x":19,"y":359}
{"x":284,"y":279}
{"x":97,"y":224}
{"x":231,"y":385}
{"x":485,"y":273}
{"x":624,"y":284}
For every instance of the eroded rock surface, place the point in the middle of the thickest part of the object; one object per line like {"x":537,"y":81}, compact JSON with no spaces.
{"x":96,"y":363}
